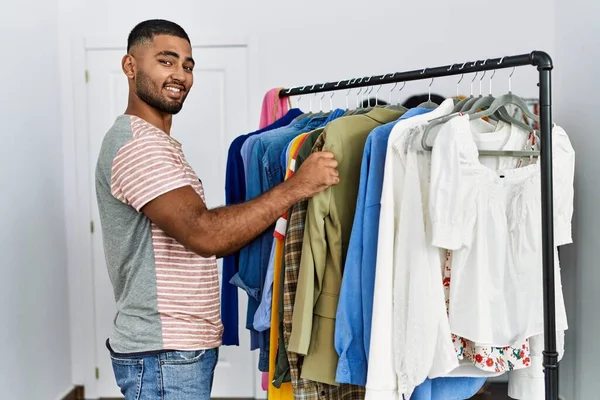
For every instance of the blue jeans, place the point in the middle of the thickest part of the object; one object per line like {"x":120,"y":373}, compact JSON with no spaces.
{"x":175,"y":375}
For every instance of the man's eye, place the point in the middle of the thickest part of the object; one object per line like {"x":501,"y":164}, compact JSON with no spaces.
{"x":191,"y":69}
{"x":165,"y":62}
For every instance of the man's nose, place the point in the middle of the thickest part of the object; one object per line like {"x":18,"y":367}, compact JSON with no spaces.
{"x":179,"y":74}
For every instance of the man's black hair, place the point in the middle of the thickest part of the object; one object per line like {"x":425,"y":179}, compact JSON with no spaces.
{"x":146,"y":30}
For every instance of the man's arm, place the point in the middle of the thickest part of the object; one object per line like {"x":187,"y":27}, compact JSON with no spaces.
{"x":182,"y":214}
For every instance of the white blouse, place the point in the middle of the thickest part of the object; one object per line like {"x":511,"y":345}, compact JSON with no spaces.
{"x":385,"y":381}
{"x":491,"y":219}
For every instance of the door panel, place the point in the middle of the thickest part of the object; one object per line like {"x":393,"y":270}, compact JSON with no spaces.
{"x":214,"y":113}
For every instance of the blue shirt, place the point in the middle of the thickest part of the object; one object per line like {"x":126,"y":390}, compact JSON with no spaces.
{"x":353,"y":319}
{"x":235,"y":192}
{"x":248,"y":145}
{"x":263,"y":173}
{"x":262,"y":318}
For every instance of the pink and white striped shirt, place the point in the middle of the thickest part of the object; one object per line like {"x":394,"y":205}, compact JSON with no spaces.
{"x":167,"y":296}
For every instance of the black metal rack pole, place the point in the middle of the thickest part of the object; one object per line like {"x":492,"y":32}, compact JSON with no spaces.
{"x":543,"y":62}
{"x":545,"y":66}
{"x":426,"y":73}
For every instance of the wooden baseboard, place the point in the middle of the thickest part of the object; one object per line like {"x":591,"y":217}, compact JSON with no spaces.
{"x":78,"y":393}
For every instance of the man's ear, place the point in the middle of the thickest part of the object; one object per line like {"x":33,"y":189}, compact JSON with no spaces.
{"x":128,"y":65}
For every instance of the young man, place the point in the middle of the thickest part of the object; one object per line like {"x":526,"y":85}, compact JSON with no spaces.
{"x":161,"y":242}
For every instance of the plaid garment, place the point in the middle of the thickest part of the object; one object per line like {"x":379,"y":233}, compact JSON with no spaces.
{"x":305,"y":389}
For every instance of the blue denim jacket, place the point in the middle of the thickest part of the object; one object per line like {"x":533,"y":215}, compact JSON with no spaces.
{"x":235,"y":192}
{"x":263,"y":173}
{"x":262,"y":318}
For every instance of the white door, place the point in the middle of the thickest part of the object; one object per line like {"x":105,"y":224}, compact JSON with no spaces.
{"x":214,"y":113}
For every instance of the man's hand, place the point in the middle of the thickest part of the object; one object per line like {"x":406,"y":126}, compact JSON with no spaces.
{"x":316,"y":174}
{"x":182,"y":214}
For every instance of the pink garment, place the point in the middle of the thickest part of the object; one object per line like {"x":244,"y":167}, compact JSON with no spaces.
{"x":265,"y":381}
{"x":273,"y":107}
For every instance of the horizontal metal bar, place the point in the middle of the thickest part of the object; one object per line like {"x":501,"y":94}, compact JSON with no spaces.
{"x":534,"y":58}
{"x":509,"y":153}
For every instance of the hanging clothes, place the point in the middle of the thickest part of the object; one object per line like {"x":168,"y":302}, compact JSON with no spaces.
{"x":498,"y":242}
{"x":278,"y":389}
{"x":328,"y":226}
{"x":304,"y":388}
{"x":264,"y":172}
{"x":353,"y":317}
{"x":262,"y":319}
{"x":382,"y":381}
{"x":363,"y":290}
{"x":235,"y":192}
{"x":358,"y":280}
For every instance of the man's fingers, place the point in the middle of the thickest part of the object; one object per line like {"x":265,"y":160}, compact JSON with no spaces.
{"x":326,"y":154}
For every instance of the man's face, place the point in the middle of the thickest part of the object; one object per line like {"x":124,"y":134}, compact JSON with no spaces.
{"x":164,"y":77}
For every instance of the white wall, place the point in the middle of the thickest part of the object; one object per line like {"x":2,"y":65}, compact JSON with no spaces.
{"x":36,"y":360}
{"x":577,"y":60}
{"x":311,"y":41}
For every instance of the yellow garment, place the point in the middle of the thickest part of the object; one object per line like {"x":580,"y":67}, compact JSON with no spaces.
{"x":285,"y":392}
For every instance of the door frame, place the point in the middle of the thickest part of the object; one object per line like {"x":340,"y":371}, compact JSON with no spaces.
{"x":78,"y":188}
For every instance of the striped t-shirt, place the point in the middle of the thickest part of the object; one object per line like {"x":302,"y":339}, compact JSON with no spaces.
{"x":167,"y":296}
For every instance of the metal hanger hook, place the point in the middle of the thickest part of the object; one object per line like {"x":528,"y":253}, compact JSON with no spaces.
{"x":331,"y":97}
{"x":359,"y":92}
{"x":475,"y":77}
{"x":402,"y":88}
{"x":461,"y":77}
{"x":350,"y":82}
{"x":311,"y":99}
{"x":502,"y":59}
{"x":362,"y":96}
{"x":491,"y":78}
{"x":430,"y":83}
{"x":321,"y":99}
{"x":392,"y":89}
{"x":510,"y":80}
{"x":481,"y":79}
{"x":377,"y":94}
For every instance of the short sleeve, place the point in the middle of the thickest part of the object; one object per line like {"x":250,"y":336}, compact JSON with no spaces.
{"x":144,"y":169}
{"x":449,"y":189}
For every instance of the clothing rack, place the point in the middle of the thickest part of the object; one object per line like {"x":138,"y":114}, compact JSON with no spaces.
{"x":543,"y":62}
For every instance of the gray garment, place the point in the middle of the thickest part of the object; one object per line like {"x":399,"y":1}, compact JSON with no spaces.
{"x":127,"y":237}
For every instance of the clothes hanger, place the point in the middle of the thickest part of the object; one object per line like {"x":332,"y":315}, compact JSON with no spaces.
{"x":503,"y":100}
{"x":429,"y":104}
{"x":401,"y":89}
{"x":367,"y":95}
{"x":391,"y":90}
{"x":502,"y":114}
{"x":321,"y":112}
{"x":494,"y":107}
{"x":377,"y":96}
{"x":389,"y":105}
{"x":350,"y":82}
{"x":458,"y":106}
{"x":456,"y":99}
{"x":358,"y":99}
{"x":303,"y":115}
{"x":472,"y":99}
{"x":331,"y":97}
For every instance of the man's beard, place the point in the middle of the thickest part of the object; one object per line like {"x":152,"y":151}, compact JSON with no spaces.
{"x":148,"y":91}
